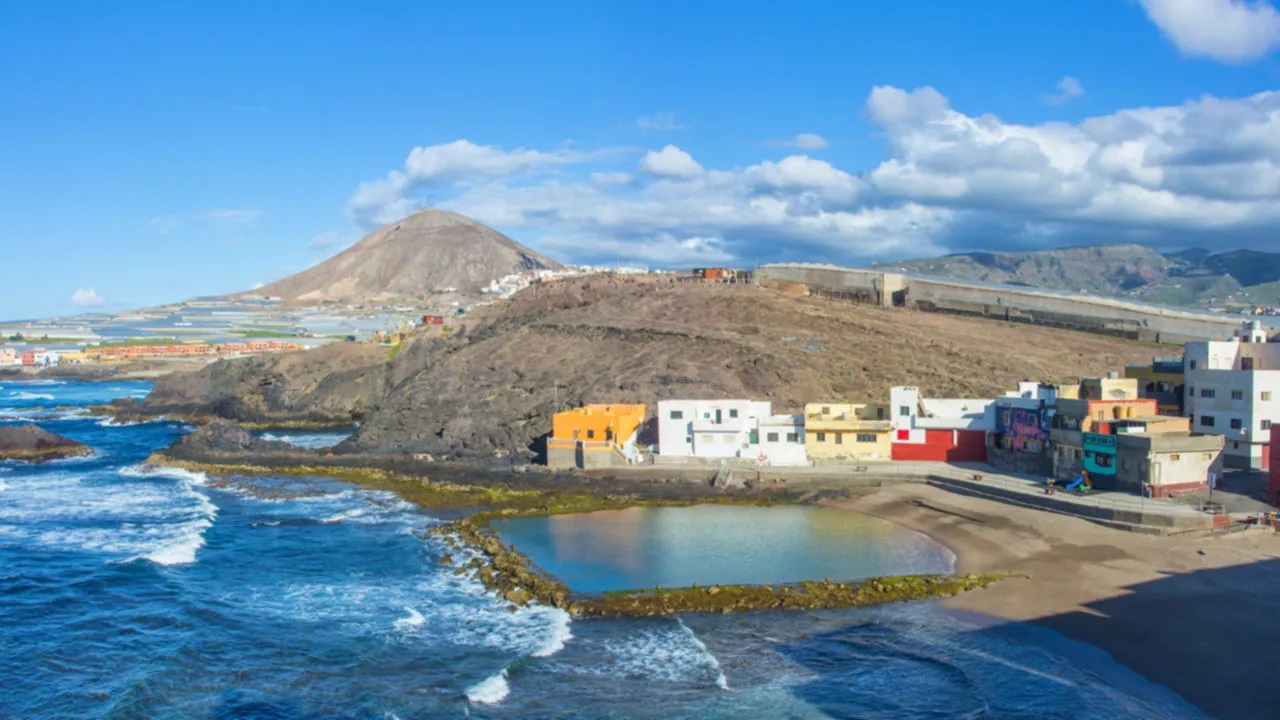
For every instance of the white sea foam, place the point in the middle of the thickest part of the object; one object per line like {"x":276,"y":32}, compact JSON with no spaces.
{"x":671,"y":655}
{"x":160,"y":516}
{"x":490,"y":691}
{"x":557,"y":634}
{"x":22,"y":395}
{"x":112,"y":422}
{"x":415,"y":619}
{"x":722,"y":682}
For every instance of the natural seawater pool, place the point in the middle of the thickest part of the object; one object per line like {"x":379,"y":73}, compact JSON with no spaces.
{"x":719,"y":544}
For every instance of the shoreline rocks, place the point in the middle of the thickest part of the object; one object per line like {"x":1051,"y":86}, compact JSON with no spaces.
{"x":33,"y":443}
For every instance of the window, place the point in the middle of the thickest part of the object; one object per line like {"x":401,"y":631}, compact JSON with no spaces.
{"x":707,"y":439}
{"x":866,"y":438}
{"x":591,"y":434}
{"x":879,"y":413}
{"x":839,"y":438}
{"x":1266,"y":396}
{"x":772,"y":437}
{"x":822,"y":437}
{"x":1246,"y":363}
{"x":1206,"y":420}
{"x":1208,"y":392}
{"x":677,"y":414}
{"x":793,"y":437}
{"x":733,"y":413}
{"x":1124,"y":464}
{"x":1175,"y":457}
{"x":1077,"y":453}
{"x":826,"y":409}
{"x":726,"y":440}
{"x":1104,"y":460}
{"x":1236,"y":424}
{"x":1237,"y":394}
{"x":1193,"y":364}
{"x":1235,"y":446}
{"x":904,"y":411}
{"x":1266,"y":424}
{"x":1207,"y":456}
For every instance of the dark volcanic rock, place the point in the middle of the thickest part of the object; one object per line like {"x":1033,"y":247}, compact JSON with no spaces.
{"x":223,"y":437}
{"x":31,"y":442}
{"x":333,"y":384}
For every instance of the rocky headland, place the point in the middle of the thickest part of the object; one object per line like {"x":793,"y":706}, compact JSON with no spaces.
{"x":35,"y":444}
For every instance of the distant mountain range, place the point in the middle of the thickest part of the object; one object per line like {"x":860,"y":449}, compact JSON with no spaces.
{"x":1193,"y":278}
{"x":428,"y":251}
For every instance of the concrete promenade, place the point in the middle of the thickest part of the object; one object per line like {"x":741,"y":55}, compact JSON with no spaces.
{"x":1116,"y":509}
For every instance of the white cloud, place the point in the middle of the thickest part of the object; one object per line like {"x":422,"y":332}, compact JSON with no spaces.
{"x":1229,"y":31}
{"x":219,"y":219}
{"x":803,"y":141}
{"x":611,"y":179}
{"x":87,"y":298}
{"x":1068,"y":88}
{"x":387,"y":200}
{"x":323,"y":241}
{"x":670,"y":161}
{"x":659,"y":122}
{"x":1206,"y":171}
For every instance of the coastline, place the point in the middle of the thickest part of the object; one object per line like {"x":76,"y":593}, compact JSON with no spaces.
{"x":1194,"y":614}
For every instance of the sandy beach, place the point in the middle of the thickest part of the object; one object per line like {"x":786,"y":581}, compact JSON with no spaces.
{"x":1196,"y":615}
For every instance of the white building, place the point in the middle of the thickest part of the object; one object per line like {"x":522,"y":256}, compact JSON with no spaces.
{"x":710,"y":428}
{"x":913,"y":415}
{"x":1233,"y":389}
{"x":782,"y":441}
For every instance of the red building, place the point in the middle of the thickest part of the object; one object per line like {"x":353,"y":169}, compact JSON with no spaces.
{"x":432,"y":319}
{"x":941,"y":446}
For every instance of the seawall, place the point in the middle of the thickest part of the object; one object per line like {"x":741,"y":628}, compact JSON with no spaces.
{"x":1086,"y":313}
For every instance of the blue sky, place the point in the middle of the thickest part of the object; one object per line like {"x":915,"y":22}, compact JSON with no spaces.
{"x":151,"y":152}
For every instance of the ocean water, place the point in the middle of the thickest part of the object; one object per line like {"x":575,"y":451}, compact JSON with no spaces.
{"x":311,"y":439}
{"x":131,"y":592}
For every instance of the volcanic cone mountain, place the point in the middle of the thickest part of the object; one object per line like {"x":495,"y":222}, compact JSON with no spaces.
{"x":429,"y":250}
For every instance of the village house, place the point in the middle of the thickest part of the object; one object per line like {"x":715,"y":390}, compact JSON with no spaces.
{"x":939,"y":430}
{"x":710,"y":429}
{"x":846,"y":431}
{"x":1156,"y":456}
{"x":595,"y":436}
{"x":1019,"y":439}
{"x":1084,"y":413}
{"x":781,"y":441}
{"x":1163,"y":380}
{"x":9,"y":356}
{"x":1233,"y":389}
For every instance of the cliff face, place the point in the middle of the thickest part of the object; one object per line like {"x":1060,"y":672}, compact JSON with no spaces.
{"x":426,"y":251}
{"x":336,"y":383}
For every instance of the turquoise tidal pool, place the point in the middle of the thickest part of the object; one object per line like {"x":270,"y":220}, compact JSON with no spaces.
{"x":719,"y":544}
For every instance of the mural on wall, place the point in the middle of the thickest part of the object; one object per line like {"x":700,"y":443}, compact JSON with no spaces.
{"x":1023,"y":429}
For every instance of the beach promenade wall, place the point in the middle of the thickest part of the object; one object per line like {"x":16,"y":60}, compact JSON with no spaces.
{"x":1091,"y":314}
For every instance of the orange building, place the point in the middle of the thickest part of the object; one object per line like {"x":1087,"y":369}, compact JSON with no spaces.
{"x":594,"y":436}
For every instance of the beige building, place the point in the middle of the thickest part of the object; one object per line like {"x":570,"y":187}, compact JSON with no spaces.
{"x":847,"y":431}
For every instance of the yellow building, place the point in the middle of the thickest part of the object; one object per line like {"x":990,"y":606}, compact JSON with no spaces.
{"x":1164,"y":380}
{"x":847,"y":431}
{"x":594,"y":436}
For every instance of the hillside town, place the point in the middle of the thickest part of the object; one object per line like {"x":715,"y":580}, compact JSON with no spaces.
{"x":1160,"y":430}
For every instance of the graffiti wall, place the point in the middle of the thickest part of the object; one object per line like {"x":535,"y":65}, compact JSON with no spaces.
{"x":1023,"y":429}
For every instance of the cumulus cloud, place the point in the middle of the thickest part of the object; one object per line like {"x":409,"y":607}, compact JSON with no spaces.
{"x":1068,"y":88}
{"x":218,"y":219}
{"x":670,"y":161}
{"x":323,"y":241}
{"x":383,"y":201}
{"x":660,"y":122}
{"x":803,"y":141}
{"x":87,"y":298}
{"x":1229,"y":31}
{"x":1203,"y":172}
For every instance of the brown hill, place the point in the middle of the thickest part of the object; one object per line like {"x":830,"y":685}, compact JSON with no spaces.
{"x":638,"y":339}
{"x":429,"y":250}
{"x":617,"y":339}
